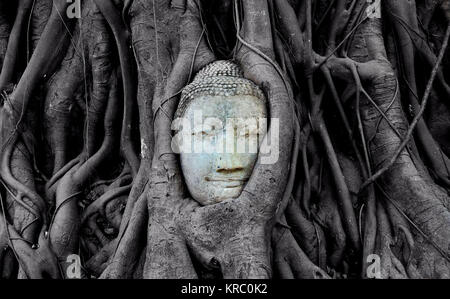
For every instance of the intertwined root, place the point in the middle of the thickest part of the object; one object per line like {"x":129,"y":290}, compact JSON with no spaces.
{"x":350,"y":183}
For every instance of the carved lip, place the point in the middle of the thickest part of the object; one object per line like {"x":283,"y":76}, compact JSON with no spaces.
{"x":228,"y":182}
{"x":225,"y":179}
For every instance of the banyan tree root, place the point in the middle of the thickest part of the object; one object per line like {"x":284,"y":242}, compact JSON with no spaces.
{"x":362,"y":168}
{"x":208,"y":232}
{"x":406,"y":185}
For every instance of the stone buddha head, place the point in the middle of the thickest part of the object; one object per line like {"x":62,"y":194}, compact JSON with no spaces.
{"x":223,"y":118}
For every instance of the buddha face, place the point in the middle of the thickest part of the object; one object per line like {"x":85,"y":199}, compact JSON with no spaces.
{"x":222,"y":145}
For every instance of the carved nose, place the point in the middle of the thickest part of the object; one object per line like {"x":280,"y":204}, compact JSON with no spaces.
{"x":227,"y":164}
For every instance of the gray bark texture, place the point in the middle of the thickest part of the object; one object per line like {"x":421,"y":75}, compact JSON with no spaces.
{"x":360,"y":189}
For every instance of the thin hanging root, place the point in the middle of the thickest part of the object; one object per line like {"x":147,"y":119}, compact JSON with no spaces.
{"x":370,"y":225}
{"x":345,"y":202}
{"x":345,"y":67}
{"x":325,"y":14}
{"x":403,"y":17}
{"x":350,"y":223}
{"x":383,"y":116}
{"x":293,"y":169}
{"x":306,"y":196}
{"x":127,"y":63}
{"x":344,"y":118}
{"x":423,"y":48}
{"x":416,"y":119}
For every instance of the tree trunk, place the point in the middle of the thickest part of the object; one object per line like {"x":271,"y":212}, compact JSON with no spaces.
{"x":88,"y":173}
